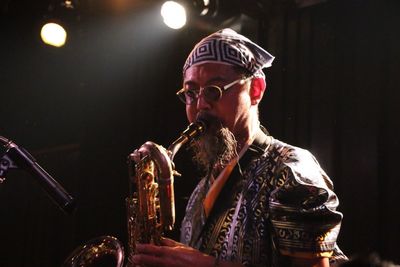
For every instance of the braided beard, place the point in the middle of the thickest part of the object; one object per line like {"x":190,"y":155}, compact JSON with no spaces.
{"x":217,"y":147}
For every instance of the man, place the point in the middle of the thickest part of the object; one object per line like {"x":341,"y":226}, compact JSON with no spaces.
{"x":262,"y":202}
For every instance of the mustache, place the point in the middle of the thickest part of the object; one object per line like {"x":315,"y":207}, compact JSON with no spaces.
{"x":212,"y":122}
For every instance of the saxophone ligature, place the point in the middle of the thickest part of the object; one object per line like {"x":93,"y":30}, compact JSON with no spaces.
{"x":150,"y":204}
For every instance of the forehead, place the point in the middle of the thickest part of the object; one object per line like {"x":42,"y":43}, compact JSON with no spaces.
{"x":208,"y":71}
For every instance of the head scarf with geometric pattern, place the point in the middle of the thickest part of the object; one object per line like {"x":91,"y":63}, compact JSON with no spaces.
{"x":228,"y":47}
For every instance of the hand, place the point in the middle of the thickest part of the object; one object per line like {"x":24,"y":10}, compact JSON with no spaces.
{"x":170,"y":254}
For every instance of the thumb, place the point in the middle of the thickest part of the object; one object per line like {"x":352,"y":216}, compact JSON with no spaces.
{"x":169,"y":242}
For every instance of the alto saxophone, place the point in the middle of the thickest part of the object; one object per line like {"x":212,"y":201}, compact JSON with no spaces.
{"x":150,"y":204}
{"x":151,"y":208}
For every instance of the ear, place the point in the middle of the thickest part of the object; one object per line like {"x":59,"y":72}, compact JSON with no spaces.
{"x":257,"y":89}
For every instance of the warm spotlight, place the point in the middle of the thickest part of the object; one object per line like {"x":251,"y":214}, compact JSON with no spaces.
{"x":174,"y":14}
{"x":205,"y":14}
{"x":53,"y":34}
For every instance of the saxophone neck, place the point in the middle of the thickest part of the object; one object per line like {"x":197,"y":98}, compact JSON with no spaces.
{"x":192,"y":131}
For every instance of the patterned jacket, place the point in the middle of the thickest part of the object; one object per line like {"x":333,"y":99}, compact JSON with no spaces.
{"x":277,"y":202}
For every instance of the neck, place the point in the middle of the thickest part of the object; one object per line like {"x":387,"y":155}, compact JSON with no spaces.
{"x":246,"y":136}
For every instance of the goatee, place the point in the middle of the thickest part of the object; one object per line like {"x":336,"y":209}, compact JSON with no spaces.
{"x":215,"y":148}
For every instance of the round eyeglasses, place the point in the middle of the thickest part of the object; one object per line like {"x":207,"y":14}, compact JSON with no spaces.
{"x":211,"y":92}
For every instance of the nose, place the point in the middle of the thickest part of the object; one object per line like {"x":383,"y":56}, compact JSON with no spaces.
{"x":202,"y":103}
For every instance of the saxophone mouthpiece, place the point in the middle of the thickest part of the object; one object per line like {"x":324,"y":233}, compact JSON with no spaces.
{"x":204,"y":121}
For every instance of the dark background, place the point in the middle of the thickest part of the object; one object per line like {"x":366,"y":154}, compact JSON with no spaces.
{"x":80,"y":110}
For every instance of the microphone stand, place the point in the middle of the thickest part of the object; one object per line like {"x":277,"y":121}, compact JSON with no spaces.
{"x":5,"y":161}
{"x":14,"y":157}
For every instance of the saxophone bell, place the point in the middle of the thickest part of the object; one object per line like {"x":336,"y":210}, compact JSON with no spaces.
{"x":100,"y":251}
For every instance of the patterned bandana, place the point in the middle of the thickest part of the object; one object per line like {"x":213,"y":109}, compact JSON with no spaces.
{"x":228,"y":47}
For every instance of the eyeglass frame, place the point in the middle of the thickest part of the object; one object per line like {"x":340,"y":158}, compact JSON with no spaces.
{"x":220,"y":89}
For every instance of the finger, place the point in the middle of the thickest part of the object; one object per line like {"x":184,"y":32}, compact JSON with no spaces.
{"x":147,"y":260}
{"x":149,"y":249}
{"x":136,"y":155}
{"x":146,"y":249}
{"x":169,"y":242}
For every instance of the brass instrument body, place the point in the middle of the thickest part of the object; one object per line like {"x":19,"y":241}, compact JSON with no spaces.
{"x":152,"y":171}
{"x":151,"y":180}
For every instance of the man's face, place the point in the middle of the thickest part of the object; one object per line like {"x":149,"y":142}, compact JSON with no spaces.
{"x":232,"y":109}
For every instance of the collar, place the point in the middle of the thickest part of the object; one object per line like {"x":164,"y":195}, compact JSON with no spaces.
{"x":232,"y":173}
{"x":261,"y":143}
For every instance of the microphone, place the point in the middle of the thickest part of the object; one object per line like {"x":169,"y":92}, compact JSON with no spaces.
{"x":26,"y":161}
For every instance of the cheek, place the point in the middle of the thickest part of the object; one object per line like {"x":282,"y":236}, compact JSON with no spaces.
{"x":235,"y":109}
{"x":191,"y":113}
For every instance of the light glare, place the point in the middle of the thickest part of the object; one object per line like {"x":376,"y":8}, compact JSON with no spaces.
{"x":53,"y":34}
{"x":174,"y":14}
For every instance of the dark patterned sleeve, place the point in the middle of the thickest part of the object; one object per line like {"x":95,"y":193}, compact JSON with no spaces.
{"x":303,"y":208}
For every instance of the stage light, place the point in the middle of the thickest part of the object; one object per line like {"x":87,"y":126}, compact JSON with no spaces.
{"x":53,"y":34}
{"x":59,"y":20}
{"x":203,"y":14}
{"x":174,"y":14}
{"x":205,"y":7}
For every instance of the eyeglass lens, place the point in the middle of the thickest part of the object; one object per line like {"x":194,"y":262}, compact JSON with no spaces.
{"x":210,"y":93}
